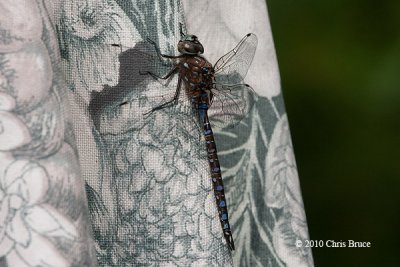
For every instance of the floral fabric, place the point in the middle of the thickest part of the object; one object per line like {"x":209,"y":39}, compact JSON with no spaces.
{"x":146,"y":175}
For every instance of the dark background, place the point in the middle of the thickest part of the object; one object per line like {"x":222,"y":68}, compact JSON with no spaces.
{"x":340,"y":71}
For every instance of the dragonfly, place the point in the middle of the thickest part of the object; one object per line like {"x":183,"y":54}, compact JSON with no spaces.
{"x":216,"y":91}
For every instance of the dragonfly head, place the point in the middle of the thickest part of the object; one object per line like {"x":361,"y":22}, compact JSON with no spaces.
{"x":190,"y":45}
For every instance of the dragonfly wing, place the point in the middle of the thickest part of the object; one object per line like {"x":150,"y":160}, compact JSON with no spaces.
{"x":230,"y":104}
{"x":233,"y":66}
{"x":231,"y":98}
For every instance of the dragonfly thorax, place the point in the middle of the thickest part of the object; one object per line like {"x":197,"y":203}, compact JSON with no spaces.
{"x":196,"y":72}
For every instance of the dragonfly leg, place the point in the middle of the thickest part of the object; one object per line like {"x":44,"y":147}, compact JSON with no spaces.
{"x":181,"y":30}
{"x":158,"y":51}
{"x":174,"y":100}
{"x":169,"y":74}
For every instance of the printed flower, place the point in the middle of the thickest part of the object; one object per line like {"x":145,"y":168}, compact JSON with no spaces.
{"x":165,"y":177}
{"x":88,"y":30}
{"x":282,"y":185}
{"x":7,"y":75}
{"x":7,"y":102}
{"x":13,"y":132}
{"x":27,"y":223}
{"x":30,"y":66}
{"x":283,"y":192}
{"x":27,"y":16}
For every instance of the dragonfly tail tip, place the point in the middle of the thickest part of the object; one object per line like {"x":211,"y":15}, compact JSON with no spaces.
{"x":229,"y":241}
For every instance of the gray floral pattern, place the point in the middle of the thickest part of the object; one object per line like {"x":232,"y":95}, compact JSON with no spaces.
{"x":263,"y":190}
{"x":43,"y":207}
{"x":148,"y":179}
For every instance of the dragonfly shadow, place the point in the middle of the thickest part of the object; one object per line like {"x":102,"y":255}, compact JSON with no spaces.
{"x":3,"y":262}
{"x":132,"y":61}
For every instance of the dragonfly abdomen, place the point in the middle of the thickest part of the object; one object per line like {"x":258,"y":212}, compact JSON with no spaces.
{"x":215,"y":168}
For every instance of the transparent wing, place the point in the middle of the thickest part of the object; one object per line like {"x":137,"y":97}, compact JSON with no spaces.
{"x":233,"y":66}
{"x":230,"y":104}
{"x":232,"y":99}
